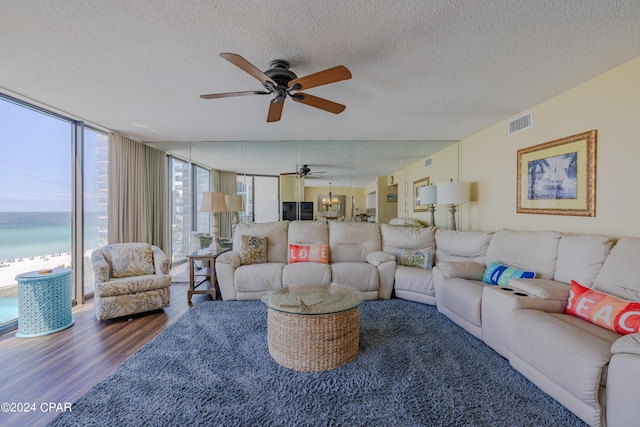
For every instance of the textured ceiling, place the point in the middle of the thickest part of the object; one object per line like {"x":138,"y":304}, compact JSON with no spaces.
{"x":422,"y":70}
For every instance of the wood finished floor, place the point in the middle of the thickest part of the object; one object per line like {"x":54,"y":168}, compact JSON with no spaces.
{"x":61,"y":367}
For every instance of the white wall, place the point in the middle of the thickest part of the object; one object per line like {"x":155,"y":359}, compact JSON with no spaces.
{"x":609,"y":103}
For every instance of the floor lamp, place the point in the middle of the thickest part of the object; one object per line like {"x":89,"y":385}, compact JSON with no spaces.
{"x":452,"y":193}
{"x":214,"y":202}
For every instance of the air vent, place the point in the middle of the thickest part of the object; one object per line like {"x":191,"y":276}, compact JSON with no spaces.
{"x":521,"y":123}
{"x":427,"y":162}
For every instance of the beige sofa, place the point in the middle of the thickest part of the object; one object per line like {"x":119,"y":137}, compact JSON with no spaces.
{"x":354,"y":259}
{"x":591,"y":370}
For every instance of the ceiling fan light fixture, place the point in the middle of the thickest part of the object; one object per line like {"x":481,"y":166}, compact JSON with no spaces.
{"x":279,"y":81}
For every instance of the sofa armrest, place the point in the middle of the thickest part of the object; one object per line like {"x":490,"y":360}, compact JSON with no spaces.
{"x":542,"y":288}
{"x":629,"y":344}
{"x":100,"y":266}
{"x":469,"y":270}
{"x":231,"y":258}
{"x":379,"y":257}
{"x":160,"y":261}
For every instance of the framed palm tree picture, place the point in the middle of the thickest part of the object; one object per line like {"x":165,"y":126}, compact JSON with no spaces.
{"x":558,"y":177}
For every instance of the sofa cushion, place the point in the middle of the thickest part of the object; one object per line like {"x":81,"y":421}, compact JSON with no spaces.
{"x":527,"y":250}
{"x":275,"y":232}
{"x":308,"y":233}
{"x":415,"y":280}
{"x":306,"y":273}
{"x":397,"y":237}
{"x":415,"y":258}
{"x":580,"y":257}
{"x":353,"y":241}
{"x":462,"y":245}
{"x":309,"y":253}
{"x":130,"y":259}
{"x":621,"y":270}
{"x":258,"y":277}
{"x":461,"y":269}
{"x":253,"y":250}
{"x":604,"y":310}
{"x":499,"y":274}
{"x":565,"y":350}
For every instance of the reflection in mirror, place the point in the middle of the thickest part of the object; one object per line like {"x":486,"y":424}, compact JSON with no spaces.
{"x":376,"y":177}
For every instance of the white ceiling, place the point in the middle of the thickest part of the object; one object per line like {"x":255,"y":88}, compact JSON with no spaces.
{"x":423,"y":70}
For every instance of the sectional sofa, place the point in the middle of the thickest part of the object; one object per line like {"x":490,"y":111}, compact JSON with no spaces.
{"x":581,"y":356}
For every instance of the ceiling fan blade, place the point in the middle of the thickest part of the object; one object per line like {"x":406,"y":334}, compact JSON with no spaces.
{"x":231,"y":94}
{"x":320,"y":78}
{"x":247,"y":67}
{"x":321,"y":103}
{"x":275,"y":111}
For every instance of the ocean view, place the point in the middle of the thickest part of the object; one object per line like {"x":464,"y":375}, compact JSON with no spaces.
{"x":35,"y":234}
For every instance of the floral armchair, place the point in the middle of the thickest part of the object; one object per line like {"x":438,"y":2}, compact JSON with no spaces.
{"x":130,"y":278}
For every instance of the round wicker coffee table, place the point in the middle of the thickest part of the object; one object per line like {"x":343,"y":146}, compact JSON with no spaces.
{"x":313,"y":327}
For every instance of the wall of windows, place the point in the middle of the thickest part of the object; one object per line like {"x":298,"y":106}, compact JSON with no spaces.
{"x":95,"y":195}
{"x":40,"y":199}
{"x":187,"y":183}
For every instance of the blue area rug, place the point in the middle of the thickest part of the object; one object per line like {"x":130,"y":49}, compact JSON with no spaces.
{"x":414,"y":368}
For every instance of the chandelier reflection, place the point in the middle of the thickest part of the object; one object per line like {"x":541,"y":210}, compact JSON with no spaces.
{"x":327,"y":202}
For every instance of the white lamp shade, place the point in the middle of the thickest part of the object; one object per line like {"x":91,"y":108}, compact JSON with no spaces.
{"x":452,"y":193}
{"x":430,"y":194}
{"x":234,"y":203}
{"x":213,"y":201}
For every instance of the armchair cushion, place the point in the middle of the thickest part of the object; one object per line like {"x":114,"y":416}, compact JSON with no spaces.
{"x":130,"y":259}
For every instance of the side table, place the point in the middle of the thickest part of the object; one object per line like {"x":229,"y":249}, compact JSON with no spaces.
{"x":44,"y":302}
{"x":205,"y":273}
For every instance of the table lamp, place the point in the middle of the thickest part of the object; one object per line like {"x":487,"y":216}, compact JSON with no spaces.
{"x":214,"y":202}
{"x":234,"y":204}
{"x":452,"y":193}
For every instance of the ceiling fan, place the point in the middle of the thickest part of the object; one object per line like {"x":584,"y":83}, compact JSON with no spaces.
{"x":281,"y":82}
{"x":305,"y":170}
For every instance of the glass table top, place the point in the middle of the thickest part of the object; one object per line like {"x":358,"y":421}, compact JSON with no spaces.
{"x":313,"y":299}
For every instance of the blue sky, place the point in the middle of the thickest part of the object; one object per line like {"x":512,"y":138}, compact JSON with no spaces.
{"x":35,"y":166}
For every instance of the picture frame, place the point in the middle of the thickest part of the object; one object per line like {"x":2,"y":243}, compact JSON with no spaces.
{"x":418,"y":205}
{"x":558,"y":177}
{"x":392,"y":198}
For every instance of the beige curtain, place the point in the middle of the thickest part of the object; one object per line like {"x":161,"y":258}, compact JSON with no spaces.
{"x":156,"y":197}
{"x":226,"y":184}
{"x":127,"y":210}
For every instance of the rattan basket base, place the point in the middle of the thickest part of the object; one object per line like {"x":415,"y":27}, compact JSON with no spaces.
{"x":313,"y":342}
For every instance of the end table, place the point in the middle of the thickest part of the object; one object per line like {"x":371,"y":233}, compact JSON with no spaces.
{"x":44,"y":302}
{"x":205,"y":273}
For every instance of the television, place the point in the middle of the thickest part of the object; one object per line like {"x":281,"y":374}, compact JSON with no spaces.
{"x":290,"y":211}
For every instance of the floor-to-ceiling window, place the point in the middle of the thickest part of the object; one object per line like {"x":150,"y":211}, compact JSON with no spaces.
{"x":202,"y":184}
{"x":260,"y":196}
{"x":180,"y":187}
{"x":95,"y":189}
{"x":35,"y":196}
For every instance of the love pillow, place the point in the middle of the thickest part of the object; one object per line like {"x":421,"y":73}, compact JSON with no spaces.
{"x":603,"y":310}
{"x":309,"y":253}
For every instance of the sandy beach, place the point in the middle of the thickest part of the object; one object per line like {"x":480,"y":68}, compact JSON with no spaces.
{"x":9,"y":270}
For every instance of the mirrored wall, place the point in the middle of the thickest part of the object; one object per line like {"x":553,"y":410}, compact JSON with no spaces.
{"x":375,"y":177}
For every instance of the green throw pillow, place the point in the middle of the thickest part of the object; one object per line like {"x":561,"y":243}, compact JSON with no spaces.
{"x":415,"y":258}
